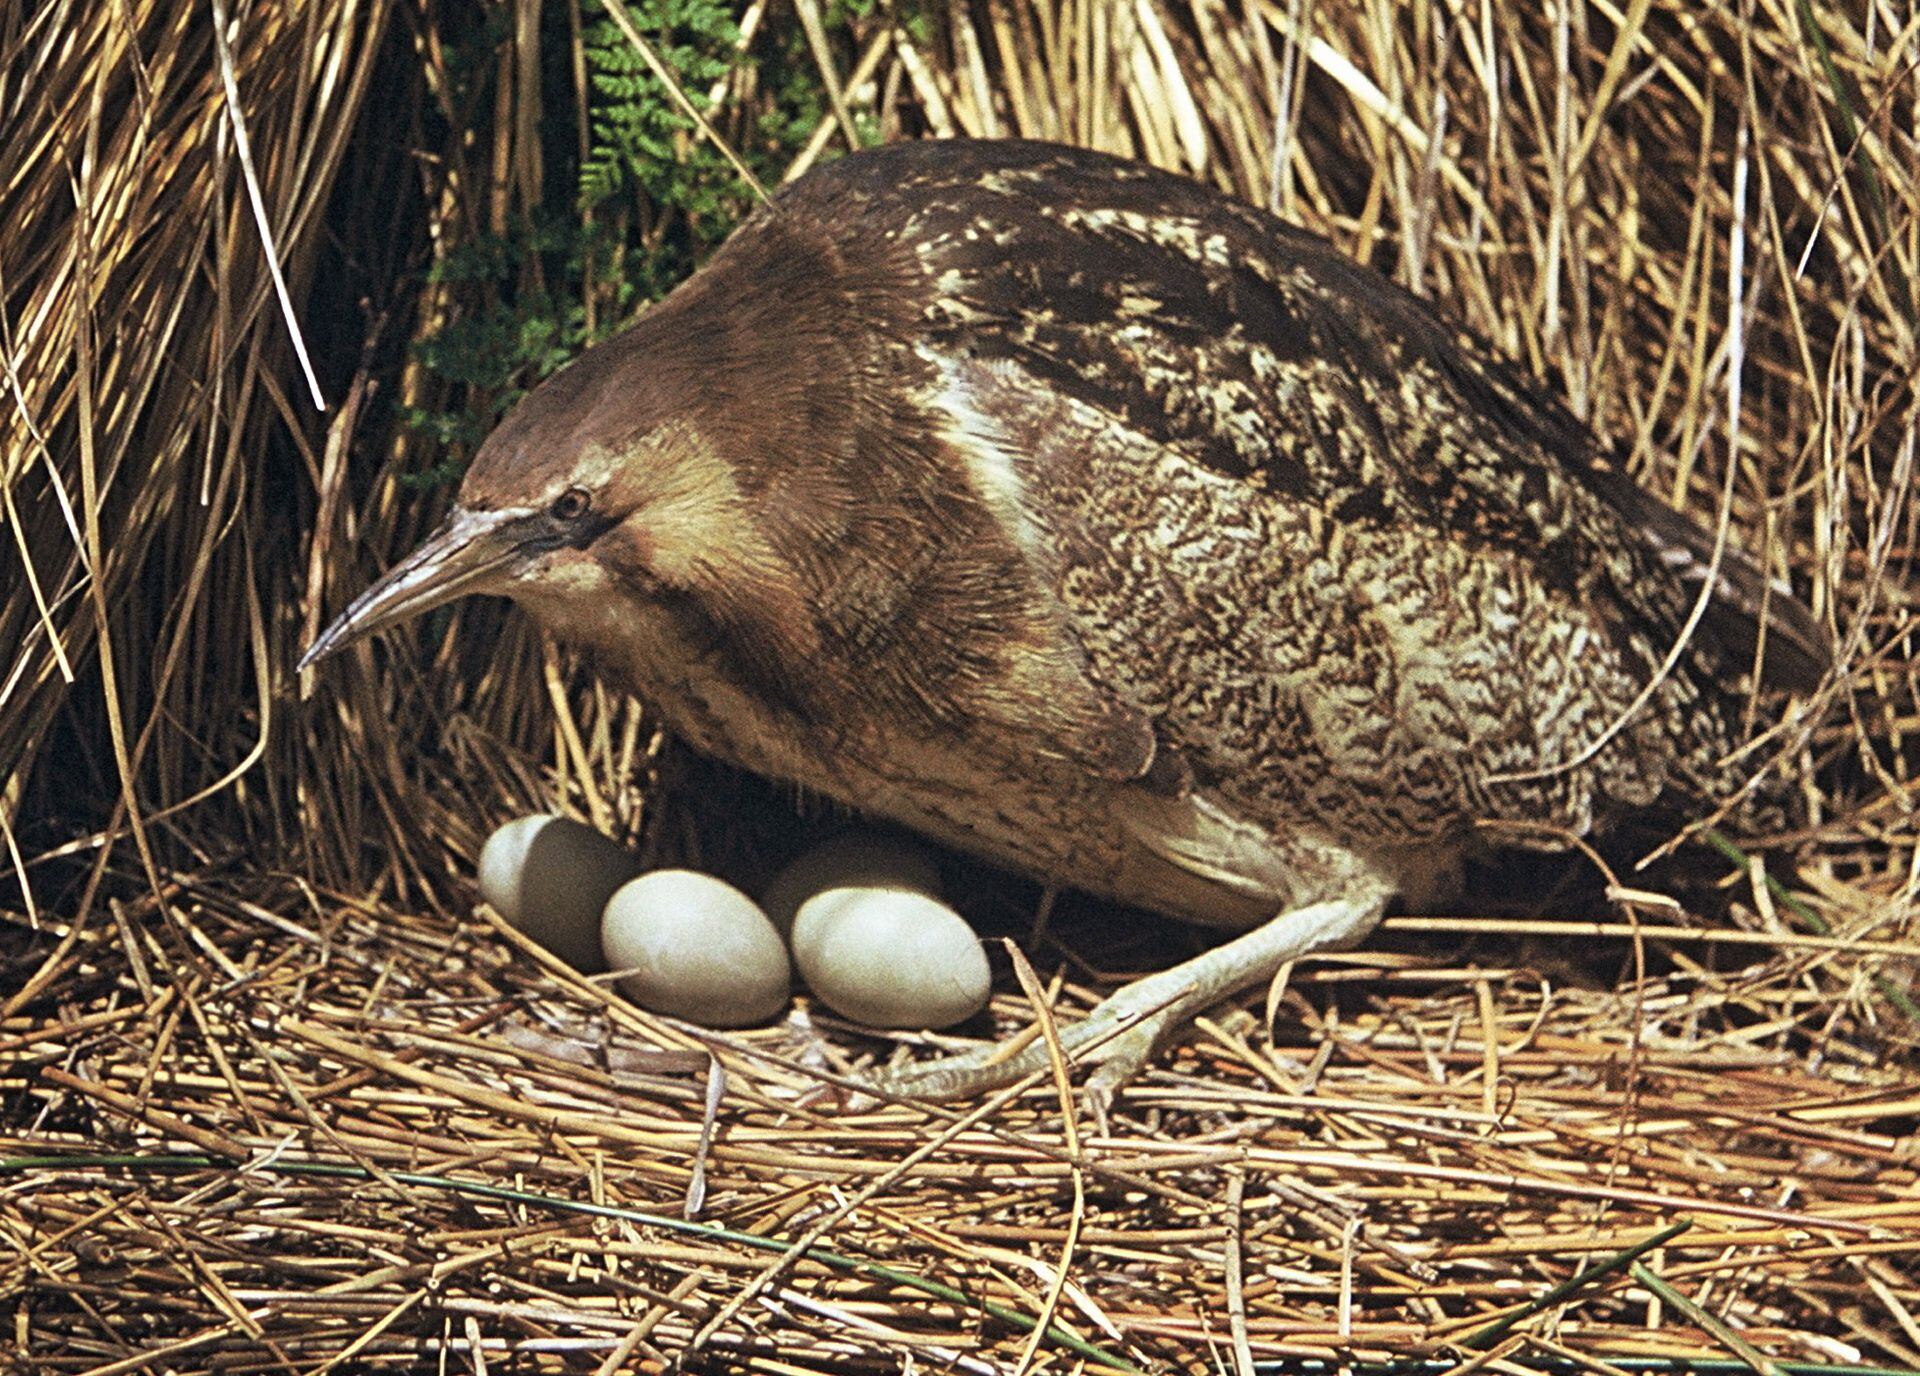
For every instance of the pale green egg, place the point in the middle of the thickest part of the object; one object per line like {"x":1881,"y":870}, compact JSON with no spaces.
{"x":853,"y":859}
{"x":694,"y":947}
{"x":890,"y":957}
{"x":551,"y":877}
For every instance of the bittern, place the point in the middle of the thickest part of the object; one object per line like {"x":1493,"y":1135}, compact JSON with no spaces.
{"x":1100,"y":525}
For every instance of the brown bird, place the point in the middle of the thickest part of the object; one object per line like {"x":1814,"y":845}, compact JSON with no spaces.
{"x":1095,"y":523}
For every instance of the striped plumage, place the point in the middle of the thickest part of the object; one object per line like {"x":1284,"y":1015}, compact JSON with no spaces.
{"x":1103,"y":525}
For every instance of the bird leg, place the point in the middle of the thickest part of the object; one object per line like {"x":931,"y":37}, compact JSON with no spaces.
{"x":1121,"y":1034}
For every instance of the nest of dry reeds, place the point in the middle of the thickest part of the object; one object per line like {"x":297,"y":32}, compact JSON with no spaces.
{"x":274,"y":1096}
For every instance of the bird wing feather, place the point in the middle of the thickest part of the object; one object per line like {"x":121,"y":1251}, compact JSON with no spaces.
{"x":1270,"y":357}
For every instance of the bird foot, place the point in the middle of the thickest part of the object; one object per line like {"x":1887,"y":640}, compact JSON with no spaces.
{"x":1122,"y":1033}
{"x":1118,"y":1034}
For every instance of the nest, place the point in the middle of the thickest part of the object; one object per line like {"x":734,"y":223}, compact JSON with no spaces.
{"x":274,"y":1095}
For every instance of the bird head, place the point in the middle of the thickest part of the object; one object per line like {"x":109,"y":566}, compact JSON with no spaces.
{"x":610,"y":482}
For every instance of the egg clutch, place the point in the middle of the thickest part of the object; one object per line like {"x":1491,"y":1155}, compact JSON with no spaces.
{"x":859,"y":917}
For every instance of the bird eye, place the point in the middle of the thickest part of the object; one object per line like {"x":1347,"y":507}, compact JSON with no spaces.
{"x":570,"y":505}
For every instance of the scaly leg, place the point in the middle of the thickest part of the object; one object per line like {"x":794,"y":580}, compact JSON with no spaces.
{"x":1124,"y":1029}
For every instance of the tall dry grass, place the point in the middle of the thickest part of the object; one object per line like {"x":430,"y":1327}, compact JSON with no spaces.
{"x":147,"y":303}
{"x":1695,"y":224}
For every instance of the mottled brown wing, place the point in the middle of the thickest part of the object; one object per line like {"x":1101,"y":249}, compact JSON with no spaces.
{"x":1265,"y":354}
{"x":1749,"y":615}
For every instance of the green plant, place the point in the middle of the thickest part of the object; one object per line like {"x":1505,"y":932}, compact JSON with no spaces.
{"x":633,"y":197}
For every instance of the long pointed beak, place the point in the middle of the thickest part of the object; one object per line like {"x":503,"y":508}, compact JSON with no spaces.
{"x":465,"y":555}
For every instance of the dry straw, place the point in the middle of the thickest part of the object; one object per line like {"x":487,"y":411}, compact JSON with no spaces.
{"x":310,"y":1114}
